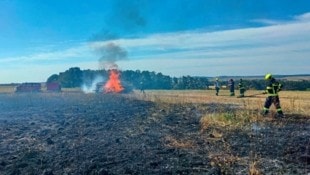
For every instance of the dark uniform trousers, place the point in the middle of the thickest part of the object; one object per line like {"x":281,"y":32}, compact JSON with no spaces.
{"x":272,"y":100}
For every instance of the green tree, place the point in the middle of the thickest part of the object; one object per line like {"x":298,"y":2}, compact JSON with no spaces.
{"x":52,"y":78}
{"x":71,"y":78}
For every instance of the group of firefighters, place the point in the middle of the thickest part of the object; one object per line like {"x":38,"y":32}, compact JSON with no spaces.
{"x":272,"y":89}
{"x":231,"y":85}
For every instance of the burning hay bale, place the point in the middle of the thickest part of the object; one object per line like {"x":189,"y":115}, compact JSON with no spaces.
{"x":113,"y":85}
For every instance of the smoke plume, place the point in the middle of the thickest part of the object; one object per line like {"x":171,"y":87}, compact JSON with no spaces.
{"x":91,"y":88}
{"x":109,"y":54}
{"x":125,"y":19}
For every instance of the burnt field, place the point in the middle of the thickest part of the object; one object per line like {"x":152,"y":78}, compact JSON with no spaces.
{"x":76,"y":133}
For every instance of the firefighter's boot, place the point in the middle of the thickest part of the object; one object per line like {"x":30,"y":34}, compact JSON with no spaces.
{"x":280,"y":113}
{"x":265,"y":112}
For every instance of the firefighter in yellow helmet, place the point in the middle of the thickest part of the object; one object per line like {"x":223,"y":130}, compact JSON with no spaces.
{"x":272,"y":89}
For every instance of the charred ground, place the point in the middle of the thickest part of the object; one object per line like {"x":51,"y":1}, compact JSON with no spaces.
{"x":75,"y":133}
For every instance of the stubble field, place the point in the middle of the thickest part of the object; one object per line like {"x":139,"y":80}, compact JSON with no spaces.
{"x":159,"y":132}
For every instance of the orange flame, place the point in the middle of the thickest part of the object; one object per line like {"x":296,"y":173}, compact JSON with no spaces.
{"x":113,"y":85}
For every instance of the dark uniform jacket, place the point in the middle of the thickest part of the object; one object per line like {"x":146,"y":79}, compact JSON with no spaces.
{"x":273,"y":87}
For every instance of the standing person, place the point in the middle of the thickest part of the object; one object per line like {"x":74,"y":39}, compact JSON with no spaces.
{"x":142,"y":87}
{"x":272,"y":89}
{"x":217,"y":86}
{"x":241,"y":88}
{"x":231,"y":85}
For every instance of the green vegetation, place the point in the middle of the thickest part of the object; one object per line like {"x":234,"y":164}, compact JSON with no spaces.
{"x":75,"y":77}
{"x":302,"y":85}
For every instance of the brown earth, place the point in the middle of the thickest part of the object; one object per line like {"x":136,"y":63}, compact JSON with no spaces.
{"x":75,"y":133}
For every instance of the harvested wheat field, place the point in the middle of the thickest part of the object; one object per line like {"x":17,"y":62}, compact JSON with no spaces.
{"x":159,"y":132}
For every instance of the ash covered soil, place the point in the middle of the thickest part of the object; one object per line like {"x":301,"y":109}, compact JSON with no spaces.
{"x":75,"y":133}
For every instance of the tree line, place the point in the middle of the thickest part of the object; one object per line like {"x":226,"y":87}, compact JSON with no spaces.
{"x":75,"y":77}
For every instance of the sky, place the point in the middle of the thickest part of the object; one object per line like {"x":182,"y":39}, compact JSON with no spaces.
{"x":174,"y":37}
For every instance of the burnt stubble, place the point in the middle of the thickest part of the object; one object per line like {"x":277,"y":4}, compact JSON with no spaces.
{"x":76,"y":133}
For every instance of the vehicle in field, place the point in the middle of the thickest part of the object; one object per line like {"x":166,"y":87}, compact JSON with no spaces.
{"x":53,"y":87}
{"x":28,"y":87}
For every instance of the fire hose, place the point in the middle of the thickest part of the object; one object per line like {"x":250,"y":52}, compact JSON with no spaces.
{"x":253,"y":95}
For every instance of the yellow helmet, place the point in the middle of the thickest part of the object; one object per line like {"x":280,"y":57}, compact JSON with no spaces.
{"x":268,"y":76}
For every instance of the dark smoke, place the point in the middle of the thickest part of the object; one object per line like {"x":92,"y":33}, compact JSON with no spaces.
{"x":109,"y":54}
{"x":103,"y":35}
{"x":128,"y":14}
{"x":126,"y":20}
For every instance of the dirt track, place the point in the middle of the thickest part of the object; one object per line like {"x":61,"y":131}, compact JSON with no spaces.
{"x":74,"y":133}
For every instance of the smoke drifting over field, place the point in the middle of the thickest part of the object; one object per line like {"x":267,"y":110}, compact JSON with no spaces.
{"x":92,"y":87}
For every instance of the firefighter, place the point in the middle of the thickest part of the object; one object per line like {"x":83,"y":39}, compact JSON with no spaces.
{"x":217,"y":86}
{"x":142,"y":87}
{"x":272,"y":89}
{"x":241,"y":88}
{"x":231,"y":85}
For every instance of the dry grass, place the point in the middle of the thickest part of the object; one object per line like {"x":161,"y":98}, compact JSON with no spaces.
{"x":172,"y":142}
{"x":218,"y":119}
{"x":250,"y":108}
{"x":223,"y":161}
{"x":71,"y":90}
{"x":215,"y":124}
{"x":292,"y":102}
{"x":7,"y":88}
{"x":253,"y":170}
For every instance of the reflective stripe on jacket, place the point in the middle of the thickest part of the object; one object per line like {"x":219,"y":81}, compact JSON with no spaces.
{"x":273,"y":87}
{"x":241,"y":86}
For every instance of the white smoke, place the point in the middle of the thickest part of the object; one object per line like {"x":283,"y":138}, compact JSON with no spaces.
{"x":92,"y":87}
